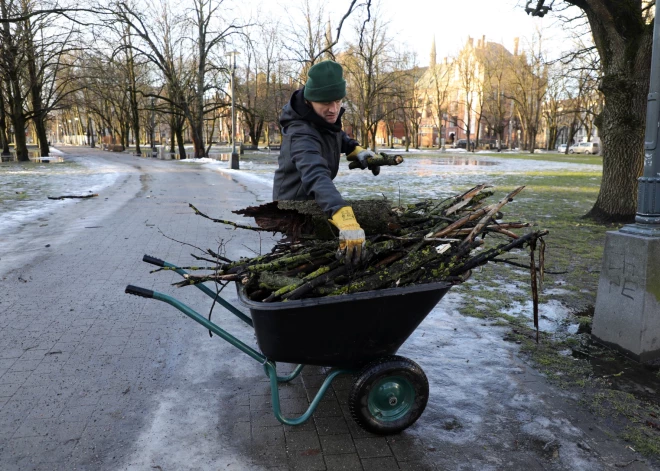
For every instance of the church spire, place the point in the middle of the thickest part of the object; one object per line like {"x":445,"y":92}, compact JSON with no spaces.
{"x":433,"y":54}
{"x":328,"y":39}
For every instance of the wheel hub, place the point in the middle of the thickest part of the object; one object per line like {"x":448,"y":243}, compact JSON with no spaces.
{"x":391,"y":398}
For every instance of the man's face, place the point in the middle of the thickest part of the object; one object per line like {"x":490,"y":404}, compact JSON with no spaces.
{"x":328,"y":110}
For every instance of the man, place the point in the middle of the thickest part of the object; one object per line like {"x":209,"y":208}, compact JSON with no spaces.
{"x":312,"y":141}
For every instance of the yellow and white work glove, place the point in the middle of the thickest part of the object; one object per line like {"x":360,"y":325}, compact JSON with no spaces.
{"x":361,"y":156}
{"x":351,"y":235}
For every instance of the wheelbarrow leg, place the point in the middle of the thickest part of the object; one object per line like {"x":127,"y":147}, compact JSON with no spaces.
{"x":275,"y":394}
{"x":285,"y":379}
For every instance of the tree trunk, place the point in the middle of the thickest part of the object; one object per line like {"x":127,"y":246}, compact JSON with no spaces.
{"x":198,"y":142}
{"x":3,"y":125}
{"x":13,"y":90}
{"x":178,"y":131}
{"x":622,"y":132}
{"x":135,"y":111}
{"x":35,"y":93}
{"x":18,"y":120}
{"x":624,"y":43}
{"x":478,"y":133}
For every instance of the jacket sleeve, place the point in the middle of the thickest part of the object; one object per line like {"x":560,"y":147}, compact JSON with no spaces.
{"x":314,"y":172}
{"x":347,"y":144}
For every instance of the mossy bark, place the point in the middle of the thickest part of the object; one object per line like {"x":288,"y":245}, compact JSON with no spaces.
{"x":305,"y":218}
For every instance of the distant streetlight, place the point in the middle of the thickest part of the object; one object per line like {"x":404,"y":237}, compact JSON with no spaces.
{"x":151,"y":132}
{"x":234,"y":156}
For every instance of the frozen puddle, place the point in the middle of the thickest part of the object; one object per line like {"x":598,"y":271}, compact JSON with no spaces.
{"x":554,"y":317}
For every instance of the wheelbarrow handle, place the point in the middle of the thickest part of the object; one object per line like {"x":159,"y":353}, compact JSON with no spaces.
{"x":153,"y":260}
{"x":145,"y":293}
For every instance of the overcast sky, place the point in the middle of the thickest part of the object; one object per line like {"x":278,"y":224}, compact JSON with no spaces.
{"x":453,"y":21}
{"x":416,"y":22}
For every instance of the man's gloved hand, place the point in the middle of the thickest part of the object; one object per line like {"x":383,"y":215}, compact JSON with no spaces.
{"x":360,"y":155}
{"x":351,"y":235}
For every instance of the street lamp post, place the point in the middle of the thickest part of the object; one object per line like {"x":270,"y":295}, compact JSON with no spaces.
{"x":152,"y":126}
{"x":627,"y":314}
{"x":234,"y":156}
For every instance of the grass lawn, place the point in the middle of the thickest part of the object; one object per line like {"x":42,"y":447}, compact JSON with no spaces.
{"x":610,"y":384}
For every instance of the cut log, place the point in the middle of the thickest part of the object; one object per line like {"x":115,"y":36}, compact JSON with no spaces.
{"x":298,"y":219}
{"x":381,"y":160}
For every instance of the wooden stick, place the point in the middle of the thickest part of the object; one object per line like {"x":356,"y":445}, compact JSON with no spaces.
{"x":465,"y":199}
{"x":494,"y":209}
{"x":72,"y":196}
{"x":535,"y":291}
{"x":318,"y":281}
{"x":459,"y":223}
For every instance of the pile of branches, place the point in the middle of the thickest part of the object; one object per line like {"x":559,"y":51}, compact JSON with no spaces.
{"x":426,"y":242}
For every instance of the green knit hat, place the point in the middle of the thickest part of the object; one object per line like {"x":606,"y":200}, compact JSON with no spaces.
{"x":325,"y":82}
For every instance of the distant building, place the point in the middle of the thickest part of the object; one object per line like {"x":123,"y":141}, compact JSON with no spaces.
{"x":468,"y":95}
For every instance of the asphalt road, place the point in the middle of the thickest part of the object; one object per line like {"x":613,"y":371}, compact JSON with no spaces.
{"x":92,"y":378}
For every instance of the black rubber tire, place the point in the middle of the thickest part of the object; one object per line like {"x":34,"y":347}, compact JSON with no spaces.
{"x":396,"y":369}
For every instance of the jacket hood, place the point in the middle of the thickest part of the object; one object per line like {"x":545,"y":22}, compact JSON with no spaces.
{"x":298,"y":109}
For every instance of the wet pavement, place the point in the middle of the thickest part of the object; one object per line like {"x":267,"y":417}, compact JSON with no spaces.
{"x":94,"y":379}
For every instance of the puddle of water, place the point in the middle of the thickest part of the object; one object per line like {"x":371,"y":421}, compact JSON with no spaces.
{"x":554,"y":317}
{"x":47,"y":160}
{"x":459,"y":161}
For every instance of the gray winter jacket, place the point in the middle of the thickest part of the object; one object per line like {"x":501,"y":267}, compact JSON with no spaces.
{"x":309,"y":156}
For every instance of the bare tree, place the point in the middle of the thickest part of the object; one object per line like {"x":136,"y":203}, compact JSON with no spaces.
{"x":13,"y":64}
{"x":407,"y":98}
{"x":529,"y":86}
{"x":552,"y":108}
{"x":369,"y":63}
{"x":496,"y":107}
{"x":623,"y":36}
{"x":201,"y":62}
{"x":435,"y":88}
{"x":467,"y":66}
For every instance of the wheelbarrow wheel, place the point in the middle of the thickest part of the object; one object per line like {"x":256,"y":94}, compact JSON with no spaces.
{"x":389,"y":395}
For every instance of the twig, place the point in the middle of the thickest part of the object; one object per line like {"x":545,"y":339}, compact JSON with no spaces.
{"x":72,"y":196}
{"x":228,"y":223}
{"x":535,"y":292}
{"x":218,"y":256}
{"x":178,"y":241}
{"x":494,"y":209}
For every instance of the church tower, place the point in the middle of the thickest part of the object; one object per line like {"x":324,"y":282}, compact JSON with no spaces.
{"x":328,"y":40}
{"x":433,"y":54}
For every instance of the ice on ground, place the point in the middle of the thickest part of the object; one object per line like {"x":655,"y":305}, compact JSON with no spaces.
{"x":554,"y":316}
{"x":26,"y":187}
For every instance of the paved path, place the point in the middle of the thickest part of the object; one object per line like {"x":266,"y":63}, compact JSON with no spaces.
{"x":93,"y":379}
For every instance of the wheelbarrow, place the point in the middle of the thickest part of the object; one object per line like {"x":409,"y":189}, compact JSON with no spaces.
{"x":356,"y":334}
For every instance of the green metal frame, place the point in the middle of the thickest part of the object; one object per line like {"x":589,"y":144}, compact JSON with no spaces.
{"x":269,"y":366}
{"x":212,"y":295}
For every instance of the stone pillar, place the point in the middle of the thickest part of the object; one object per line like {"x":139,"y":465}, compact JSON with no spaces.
{"x":628,"y":302}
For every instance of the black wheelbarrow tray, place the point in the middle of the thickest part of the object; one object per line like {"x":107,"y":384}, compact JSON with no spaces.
{"x":357,"y":334}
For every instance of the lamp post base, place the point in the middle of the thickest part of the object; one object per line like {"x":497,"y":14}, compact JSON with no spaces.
{"x":627,"y":314}
{"x":643,"y":230}
{"x":234,"y":161}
